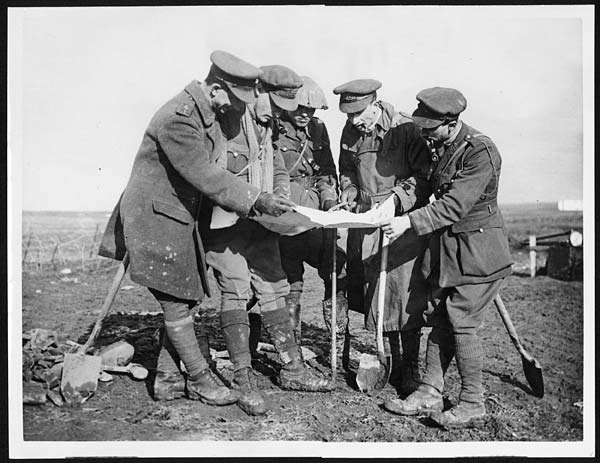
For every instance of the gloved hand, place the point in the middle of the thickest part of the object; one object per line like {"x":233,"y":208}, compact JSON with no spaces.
{"x":349,"y":196}
{"x":268,"y":203}
{"x":328,"y":204}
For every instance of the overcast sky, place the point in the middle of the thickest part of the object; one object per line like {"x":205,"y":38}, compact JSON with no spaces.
{"x":85,"y":82}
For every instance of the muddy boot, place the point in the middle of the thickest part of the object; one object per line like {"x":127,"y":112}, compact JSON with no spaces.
{"x":251,"y":400}
{"x":207,"y":388}
{"x":292,"y":302}
{"x":236,"y":331}
{"x":409,"y":365}
{"x":293,"y":375}
{"x":169,"y":383}
{"x":461,"y":415}
{"x":423,"y":401}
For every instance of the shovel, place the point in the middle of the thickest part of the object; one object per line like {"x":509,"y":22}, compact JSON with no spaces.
{"x":80,"y":371}
{"x":531,"y":367}
{"x":374,"y":371}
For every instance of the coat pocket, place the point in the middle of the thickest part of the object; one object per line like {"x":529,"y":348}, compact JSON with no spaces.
{"x":172,"y":211}
{"x":237,"y":160}
{"x":483,"y":252}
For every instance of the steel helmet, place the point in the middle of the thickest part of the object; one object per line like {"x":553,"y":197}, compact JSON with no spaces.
{"x":311,"y":95}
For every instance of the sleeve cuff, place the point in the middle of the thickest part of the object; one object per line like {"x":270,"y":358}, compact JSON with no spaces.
{"x":404,"y":200}
{"x":421,"y":221}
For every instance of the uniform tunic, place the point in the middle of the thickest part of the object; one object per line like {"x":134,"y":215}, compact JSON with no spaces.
{"x":156,"y":218}
{"x":468,"y":241}
{"x":313,"y":181}
{"x":245,"y":256}
{"x":375,"y":164}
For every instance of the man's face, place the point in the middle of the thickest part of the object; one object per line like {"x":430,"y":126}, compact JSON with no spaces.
{"x":223,"y":100}
{"x":441,"y":133}
{"x":363,"y":120}
{"x":301,"y":116}
{"x":262,"y":107}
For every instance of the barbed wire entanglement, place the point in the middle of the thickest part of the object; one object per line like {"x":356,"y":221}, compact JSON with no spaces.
{"x":75,"y":250}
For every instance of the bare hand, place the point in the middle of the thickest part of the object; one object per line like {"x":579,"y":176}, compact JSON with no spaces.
{"x":349,"y":195}
{"x":395,"y":227}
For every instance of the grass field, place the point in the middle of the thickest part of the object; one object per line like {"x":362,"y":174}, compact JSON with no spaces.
{"x":548,"y":315}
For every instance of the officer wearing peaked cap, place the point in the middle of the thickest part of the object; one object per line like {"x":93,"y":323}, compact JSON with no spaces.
{"x":155,"y":222}
{"x":245,"y":256}
{"x":469,"y":252}
{"x":239,"y":77}
{"x":379,"y":148}
{"x":304,"y":145}
{"x":357,"y":94}
{"x":282,"y":85}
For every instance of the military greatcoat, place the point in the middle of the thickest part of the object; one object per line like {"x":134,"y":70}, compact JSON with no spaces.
{"x":156,"y":218}
{"x":375,"y":164}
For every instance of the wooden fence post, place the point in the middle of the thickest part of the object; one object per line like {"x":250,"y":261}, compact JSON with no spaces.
{"x":53,"y":254}
{"x":94,"y":240}
{"x":532,"y":256}
{"x":27,"y":247}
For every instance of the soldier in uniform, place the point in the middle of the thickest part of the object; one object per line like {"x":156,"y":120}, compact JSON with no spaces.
{"x":469,"y":252}
{"x":156,"y":219}
{"x":245,"y":256}
{"x":304,"y":145}
{"x":379,"y":148}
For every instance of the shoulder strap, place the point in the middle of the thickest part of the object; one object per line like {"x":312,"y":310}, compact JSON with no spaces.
{"x":302,"y":151}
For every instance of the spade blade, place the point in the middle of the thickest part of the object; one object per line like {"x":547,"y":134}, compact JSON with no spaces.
{"x":80,"y":377}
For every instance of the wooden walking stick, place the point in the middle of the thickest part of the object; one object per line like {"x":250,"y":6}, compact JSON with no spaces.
{"x":333,"y":349}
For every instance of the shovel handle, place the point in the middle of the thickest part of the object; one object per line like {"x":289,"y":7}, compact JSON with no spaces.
{"x":512,"y":332}
{"x":110,"y":297}
{"x":333,"y":349}
{"x":385,"y":241}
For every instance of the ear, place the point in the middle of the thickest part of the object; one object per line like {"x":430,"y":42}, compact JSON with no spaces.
{"x":214,"y":88}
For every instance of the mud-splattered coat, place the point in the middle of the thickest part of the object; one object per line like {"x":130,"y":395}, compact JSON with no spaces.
{"x":156,"y":218}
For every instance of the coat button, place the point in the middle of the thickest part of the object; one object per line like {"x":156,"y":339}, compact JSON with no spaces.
{"x":481,"y":230}
{"x":284,"y":149}
{"x":235,"y":155}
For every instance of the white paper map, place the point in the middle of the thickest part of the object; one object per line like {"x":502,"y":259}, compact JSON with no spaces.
{"x":305,"y":218}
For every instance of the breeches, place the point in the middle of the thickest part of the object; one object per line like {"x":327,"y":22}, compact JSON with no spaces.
{"x":315,"y":247}
{"x":245,"y":259}
{"x":460,"y":309}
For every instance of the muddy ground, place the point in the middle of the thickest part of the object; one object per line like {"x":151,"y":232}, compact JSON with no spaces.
{"x":547,"y":313}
